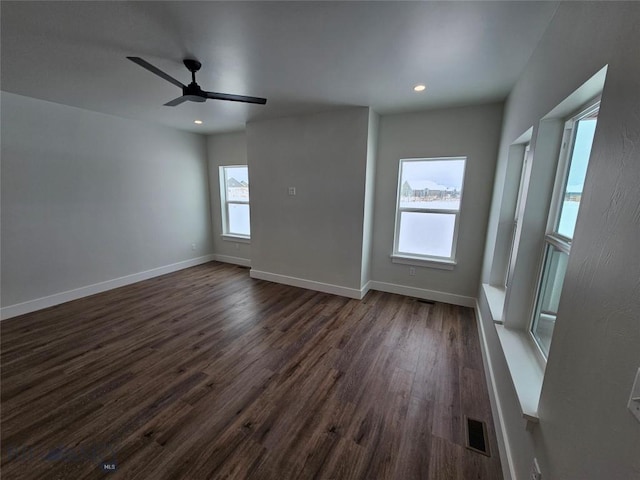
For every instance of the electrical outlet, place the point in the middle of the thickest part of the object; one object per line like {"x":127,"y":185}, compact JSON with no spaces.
{"x":535,"y":470}
{"x":412,"y":271}
{"x":634,"y":398}
{"x":193,"y":246}
{"x":292,"y":191}
{"x":237,"y":245}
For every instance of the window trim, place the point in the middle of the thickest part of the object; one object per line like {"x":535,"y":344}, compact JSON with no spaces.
{"x":446,"y":263}
{"x":224,"y":206}
{"x":235,"y":238}
{"x":422,"y":262}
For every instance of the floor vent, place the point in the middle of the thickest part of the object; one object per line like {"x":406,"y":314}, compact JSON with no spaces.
{"x":477,"y":436}
{"x":428,"y":302}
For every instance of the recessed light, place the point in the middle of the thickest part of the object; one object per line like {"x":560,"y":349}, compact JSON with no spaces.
{"x":420,"y":88}
{"x":198,"y":122}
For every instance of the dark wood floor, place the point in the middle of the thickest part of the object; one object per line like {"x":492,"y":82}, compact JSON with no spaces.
{"x":206,"y":373}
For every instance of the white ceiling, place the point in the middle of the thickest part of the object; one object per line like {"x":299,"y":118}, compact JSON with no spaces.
{"x":302,"y":56}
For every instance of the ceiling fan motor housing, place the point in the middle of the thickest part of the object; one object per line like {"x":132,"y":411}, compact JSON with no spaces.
{"x":194,"y":93}
{"x":192,"y":65}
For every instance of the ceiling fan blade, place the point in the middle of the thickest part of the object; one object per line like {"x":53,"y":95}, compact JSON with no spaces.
{"x":236,"y":98}
{"x":146,"y":65}
{"x":176,"y":101}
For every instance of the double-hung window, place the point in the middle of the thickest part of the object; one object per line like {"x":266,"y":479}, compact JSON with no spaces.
{"x":428,"y":209}
{"x":234,"y":199}
{"x":572,"y":169}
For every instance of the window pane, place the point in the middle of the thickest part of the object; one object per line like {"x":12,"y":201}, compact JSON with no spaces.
{"x":585,"y":131}
{"x":555,"y":268}
{"x":426,"y":233}
{"x":514,"y":226}
{"x":237,"y":184}
{"x":239,"y":219}
{"x":432,"y":184}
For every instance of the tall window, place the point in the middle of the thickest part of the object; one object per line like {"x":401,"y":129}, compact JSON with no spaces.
{"x":572,"y":170}
{"x":516,"y":217}
{"x":428,"y":208}
{"x":234,"y":198}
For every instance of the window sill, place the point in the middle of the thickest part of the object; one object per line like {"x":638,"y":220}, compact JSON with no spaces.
{"x":525,"y":369}
{"x":236,"y":238}
{"x":422,"y":262}
{"x":495,"y":298}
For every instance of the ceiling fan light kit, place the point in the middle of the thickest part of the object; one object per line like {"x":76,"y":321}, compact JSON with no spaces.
{"x":193,"y":92}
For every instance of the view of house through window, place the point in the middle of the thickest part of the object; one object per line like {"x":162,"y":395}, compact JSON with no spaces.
{"x":234,"y":196}
{"x":428,"y":207}
{"x":576,"y":149}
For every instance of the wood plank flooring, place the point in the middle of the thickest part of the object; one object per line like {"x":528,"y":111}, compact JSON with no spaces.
{"x":207,"y":373}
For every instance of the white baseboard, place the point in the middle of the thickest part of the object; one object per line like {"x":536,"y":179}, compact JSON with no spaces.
{"x":501,"y":431}
{"x":309,"y":284}
{"x":360,"y":293}
{"x":62,"y":297}
{"x":244,"y":262}
{"x":365,"y":289}
{"x":423,"y":293}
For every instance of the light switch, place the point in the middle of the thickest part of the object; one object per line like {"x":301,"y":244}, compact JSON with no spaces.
{"x":535,"y":473}
{"x":634,"y":398}
{"x":292,"y":191}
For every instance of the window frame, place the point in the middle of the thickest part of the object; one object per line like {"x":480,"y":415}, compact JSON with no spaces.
{"x":517,"y":216}
{"x":433,"y":261}
{"x":564,"y":165}
{"x":552,"y":238}
{"x":224,"y":205}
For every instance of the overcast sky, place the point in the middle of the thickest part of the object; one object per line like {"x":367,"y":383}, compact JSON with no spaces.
{"x":444,"y":172}
{"x":580,"y":158}
{"x":239,"y":173}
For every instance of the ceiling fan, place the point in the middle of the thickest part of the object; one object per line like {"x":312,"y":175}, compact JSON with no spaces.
{"x":193,"y":92}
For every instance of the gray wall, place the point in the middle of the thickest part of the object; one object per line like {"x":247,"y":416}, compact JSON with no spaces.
{"x":585,"y":429}
{"x":317,"y":234}
{"x":88,"y":197}
{"x":469,"y":131}
{"x":226,"y":149}
{"x":369,"y":197}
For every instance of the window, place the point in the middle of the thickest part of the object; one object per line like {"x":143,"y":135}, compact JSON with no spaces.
{"x":516,"y":218}
{"x":572,"y":169}
{"x":234,"y":198}
{"x":428,"y":209}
